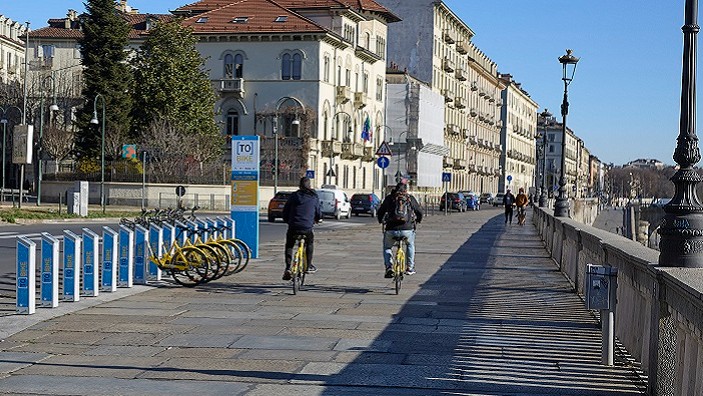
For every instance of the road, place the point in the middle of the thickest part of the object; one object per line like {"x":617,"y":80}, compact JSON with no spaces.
{"x":9,"y":232}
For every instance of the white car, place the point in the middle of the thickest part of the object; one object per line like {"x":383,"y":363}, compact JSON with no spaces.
{"x":334,"y":203}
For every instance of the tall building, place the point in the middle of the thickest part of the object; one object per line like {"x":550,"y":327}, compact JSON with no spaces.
{"x":518,"y":133}
{"x":434,"y":45}
{"x":12,"y":43}
{"x":553,"y":156}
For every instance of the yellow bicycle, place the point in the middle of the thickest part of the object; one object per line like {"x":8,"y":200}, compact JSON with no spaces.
{"x":398,"y":258}
{"x":299,"y":264}
{"x":188,"y":265}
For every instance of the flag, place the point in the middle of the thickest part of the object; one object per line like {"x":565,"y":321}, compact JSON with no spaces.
{"x":366,"y":131}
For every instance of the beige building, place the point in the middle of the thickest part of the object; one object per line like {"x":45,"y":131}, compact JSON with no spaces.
{"x":12,"y":46}
{"x":434,"y":45}
{"x":518,"y":134}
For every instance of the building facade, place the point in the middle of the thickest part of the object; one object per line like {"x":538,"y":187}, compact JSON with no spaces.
{"x":12,"y":43}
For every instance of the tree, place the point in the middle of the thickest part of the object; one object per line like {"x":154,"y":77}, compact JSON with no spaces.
{"x":103,"y":46}
{"x":173,"y":92}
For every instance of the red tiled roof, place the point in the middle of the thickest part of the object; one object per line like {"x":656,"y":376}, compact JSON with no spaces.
{"x":261,"y":16}
{"x":57,"y":29}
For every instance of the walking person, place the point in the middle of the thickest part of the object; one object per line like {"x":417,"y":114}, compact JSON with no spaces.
{"x":399,"y":222}
{"x":521,"y":202}
{"x":301,"y":212}
{"x":508,"y":202}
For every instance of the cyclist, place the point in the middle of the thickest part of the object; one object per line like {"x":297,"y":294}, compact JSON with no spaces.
{"x":396,"y":227}
{"x":301,"y":212}
{"x":521,"y":202}
{"x":508,"y":201}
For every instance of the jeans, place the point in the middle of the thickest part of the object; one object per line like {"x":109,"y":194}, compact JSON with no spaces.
{"x":388,"y":244}
{"x":508,"y":213}
{"x":290,"y":242}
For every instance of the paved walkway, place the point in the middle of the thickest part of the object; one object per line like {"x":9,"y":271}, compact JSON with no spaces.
{"x":487,"y":314}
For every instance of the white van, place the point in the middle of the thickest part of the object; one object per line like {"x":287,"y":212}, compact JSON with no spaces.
{"x":334,"y":202}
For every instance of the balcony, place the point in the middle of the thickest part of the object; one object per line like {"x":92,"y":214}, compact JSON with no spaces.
{"x":369,"y":154}
{"x":232,"y":86}
{"x":330,"y":148}
{"x":474,"y":86}
{"x":473,"y":112}
{"x":448,"y":95}
{"x":498,"y":147}
{"x":447,"y":65}
{"x":460,"y":74}
{"x":359,"y":100}
{"x":459,"y":163}
{"x":459,"y":102}
{"x":352,"y":151}
{"x":472,"y":167}
{"x":343,"y":94}
{"x":472,"y":140}
{"x":447,"y":162}
{"x":465,"y":133}
{"x":448,"y":37}
{"x":453,"y":129}
{"x":462,"y":48}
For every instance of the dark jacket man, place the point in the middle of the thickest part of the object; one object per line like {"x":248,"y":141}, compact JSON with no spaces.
{"x":301,"y":212}
{"x":388,"y":206}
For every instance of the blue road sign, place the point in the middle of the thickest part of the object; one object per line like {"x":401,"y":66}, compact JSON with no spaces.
{"x":510,"y":178}
{"x":383,"y":162}
{"x":310,"y":174}
{"x":446,"y":177}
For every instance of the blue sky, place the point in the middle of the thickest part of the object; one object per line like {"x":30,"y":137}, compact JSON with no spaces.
{"x":625,"y":97}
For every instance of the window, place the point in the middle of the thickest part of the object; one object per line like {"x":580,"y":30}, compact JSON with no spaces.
{"x":77,"y":52}
{"x":551,"y":148}
{"x":326,"y":69}
{"x":367,"y":42}
{"x":365,"y":82}
{"x":325,"y":126}
{"x":348,"y":78}
{"x":241,"y":19}
{"x":233,"y":66}
{"x":339,"y":75}
{"x":380,"y":47}
{"x":291,"y":66}
{"x":229,"y":66}
{"x":238,"y":65}
{"x":379,"y":88}
{"x":281,"y":18}
{"x":201,"y":20}
{"x":45,"y":51}
{"x":232,"y":123}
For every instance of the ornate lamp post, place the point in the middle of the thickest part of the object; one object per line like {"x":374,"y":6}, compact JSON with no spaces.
{"x":681,"y":229}
{"x":275,"y":134}
{"x":53,"y":107}
{"x":568,"y":61}
{"x":545,"y":115}
{"x":4,"y":122}
{"x":94,"y":121}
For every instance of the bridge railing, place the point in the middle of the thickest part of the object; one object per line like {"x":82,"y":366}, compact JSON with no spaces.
{"x":659,"y":314}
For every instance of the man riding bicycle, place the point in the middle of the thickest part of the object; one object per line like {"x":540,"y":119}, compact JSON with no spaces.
{"x":521,"y":202}
{"x":301,"y":212}
{"x":399,"y":226}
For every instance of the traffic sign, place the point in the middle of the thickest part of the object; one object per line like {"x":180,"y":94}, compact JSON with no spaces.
{"x":310,"y":174}
{"x":510,"y":178}
{"x":446,"y":177}
{"x":180,"y":191}
{"x":330,"y":173}
{"x":383,"y":162}
{"x":384,"y":150}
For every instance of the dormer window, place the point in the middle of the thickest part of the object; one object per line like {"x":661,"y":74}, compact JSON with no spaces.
{"x":281,"y":18}
{"x":241,"y":19}
{"x":201,"y":20}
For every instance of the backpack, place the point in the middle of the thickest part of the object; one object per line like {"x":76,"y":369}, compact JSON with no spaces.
{"x":402,"y":209}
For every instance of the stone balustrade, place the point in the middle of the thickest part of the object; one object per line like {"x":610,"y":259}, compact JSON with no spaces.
{"x":659,"y":314}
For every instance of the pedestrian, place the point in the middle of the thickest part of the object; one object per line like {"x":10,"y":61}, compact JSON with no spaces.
{"x":508,"y":202}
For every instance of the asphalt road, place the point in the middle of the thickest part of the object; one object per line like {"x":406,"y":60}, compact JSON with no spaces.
{"x":9,"y":232}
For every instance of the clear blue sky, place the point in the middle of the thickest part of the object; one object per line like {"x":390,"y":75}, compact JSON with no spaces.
{"x":625,"y":97}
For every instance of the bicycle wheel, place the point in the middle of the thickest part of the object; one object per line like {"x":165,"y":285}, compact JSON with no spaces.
{"x":304,"y":263}
{"x":224,"y":258}
{"x":296,"y":268}
{"x":196,"y":263}
{"x":246,"y":254}
{"x":236,"y":256}
{"x":399,"y":269}
{"x":213,"y":259}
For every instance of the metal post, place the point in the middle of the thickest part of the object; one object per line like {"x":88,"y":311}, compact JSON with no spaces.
{"x":275,"y":155}
{"x":26,"y":64}
{"x":561,"y":207}
{"x":446,"y":197}
{"x":543,"y":190}
{"x":607,"y":318}
{"x":4,"y":143}
{"x":144,"y":179}
{"x":41,"y":133}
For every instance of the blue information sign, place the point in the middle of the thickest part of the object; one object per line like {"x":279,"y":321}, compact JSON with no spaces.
{"x":510,"y":178}
{"x":383,"y":162}
{"x":245,"y":190}
{"x":446,"y":177}
{"x":310,"y":174}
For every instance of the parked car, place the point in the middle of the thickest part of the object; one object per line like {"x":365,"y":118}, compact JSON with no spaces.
{"x":487,"y":198}
{"x":498,"y":200}
{"x":276,"y":205}
{"x":456,"y":202}
{"x":334,"y":203}
{"x":472,"y":200}
{"x":365,"y":203}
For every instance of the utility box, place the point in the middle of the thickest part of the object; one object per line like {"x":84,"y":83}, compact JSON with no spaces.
{"x":601,"y":287}
{"x":78,"y":199}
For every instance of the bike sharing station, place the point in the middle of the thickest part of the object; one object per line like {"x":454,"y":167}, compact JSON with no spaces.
{"x":245,"y":189}
{"x":93,"y":263}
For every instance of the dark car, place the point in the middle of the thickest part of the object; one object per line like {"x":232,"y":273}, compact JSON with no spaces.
{"x":365,"y":203}
{"x":277,"y":203}
{"x":456,"y":202}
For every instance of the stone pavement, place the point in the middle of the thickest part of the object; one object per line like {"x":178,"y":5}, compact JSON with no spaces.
{"x":488,"y":313}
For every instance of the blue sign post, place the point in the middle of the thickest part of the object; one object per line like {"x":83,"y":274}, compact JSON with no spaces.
{"x":91,"y":263}
{"x":126,"y":267}
{"x":140,"y":254}
{"x":245,"y":189}
{"x":71,"y":266}
{"x":109,"y":260}
{"x":26,"y":266}
{"x":49,"y":271}
{"x":446,"y":179}
{"x":310,"y":174}
{"x":383,"y":162}
{"x":156,"y":242}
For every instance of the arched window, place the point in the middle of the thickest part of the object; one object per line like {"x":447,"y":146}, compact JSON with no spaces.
{"x":297,"y":66}
{"x":285,"y":67}
{"x":291,"y":66}
{"x":238,"y":66}
{"x":229,"y":66}
{"x":232,"y":123}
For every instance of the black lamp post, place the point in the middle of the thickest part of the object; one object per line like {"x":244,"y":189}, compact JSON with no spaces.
{"x":545,"y":115}
{"x":681,"y":229}
{"x":568,"y":61}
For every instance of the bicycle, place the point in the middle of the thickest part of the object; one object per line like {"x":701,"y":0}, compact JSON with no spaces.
{"x":299,"y":264}
{"x":188,"y":265}
{"x":521,"y":215}
{"x":398,"y":260}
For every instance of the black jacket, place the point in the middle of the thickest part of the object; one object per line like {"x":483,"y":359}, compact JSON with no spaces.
{"x":388,"y":206}
{"x":302,"y":210}
{"x":509,"y":199}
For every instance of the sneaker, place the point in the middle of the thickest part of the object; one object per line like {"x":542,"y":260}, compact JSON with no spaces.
{"x":286,"y":275}
{"x":311,"y":269}
{"x":410,"y":271}
{"x":389,"y":273}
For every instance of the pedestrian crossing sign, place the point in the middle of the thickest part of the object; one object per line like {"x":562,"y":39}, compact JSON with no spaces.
{"x":384,"y":150}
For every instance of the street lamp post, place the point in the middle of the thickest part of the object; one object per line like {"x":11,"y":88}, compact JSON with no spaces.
{"x":568,"y":61}
{"x":543,"y":188}
{"x":275,"y":134}
{"x":4,"y":145}
{"x":53,"y":107}
{"x":94,"y":121}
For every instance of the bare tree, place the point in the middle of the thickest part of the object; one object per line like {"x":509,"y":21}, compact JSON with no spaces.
{"x":57,"y":143}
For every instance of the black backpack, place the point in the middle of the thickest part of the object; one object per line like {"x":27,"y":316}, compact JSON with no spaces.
{"x":402,"y":211}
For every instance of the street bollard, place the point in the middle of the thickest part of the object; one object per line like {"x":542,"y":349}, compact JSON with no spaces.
{"x":49,"y":271}
{"x":109,"y":260}
{"x":26,"y":266}
{"x":91,"y":263}
{"x":126,"y":249}
{"x":140,"y":252}
{"x":71,"y":266}
{"x":156,"y":242}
